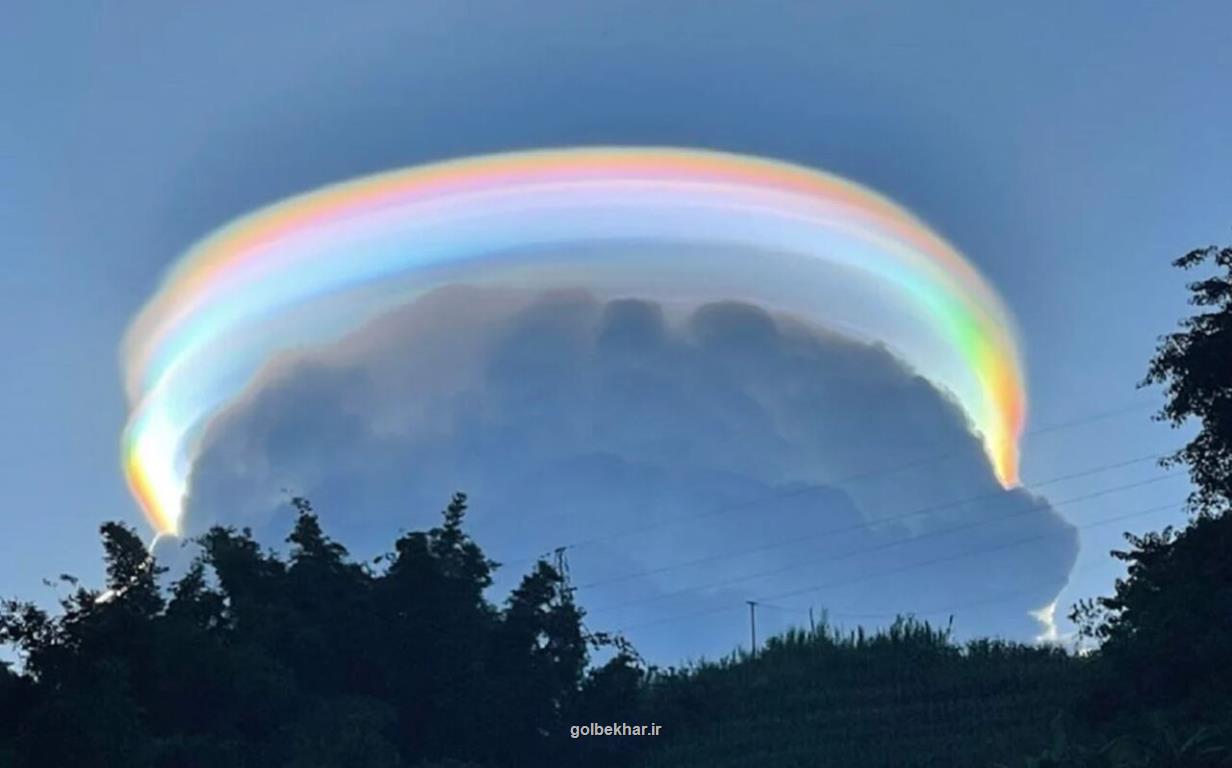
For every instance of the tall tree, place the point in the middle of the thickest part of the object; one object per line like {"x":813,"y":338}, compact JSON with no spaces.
{"x":331,"y":599}
{"x":1166,"y":632}
{"x":1194,"y":366}
{"x":540,"y":654}
{"x":14,"y":700}
{"x":436,"y":628}
{"x":93,"y":663}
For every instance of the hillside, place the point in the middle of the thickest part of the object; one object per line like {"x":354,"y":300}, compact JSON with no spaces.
{"x":903,"y":697}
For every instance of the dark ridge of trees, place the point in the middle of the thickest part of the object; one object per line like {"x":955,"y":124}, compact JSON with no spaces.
{"x":253,"y":659}
{"x":310,"y":659}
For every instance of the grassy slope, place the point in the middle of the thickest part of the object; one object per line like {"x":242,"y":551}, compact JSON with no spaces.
{"x":902,"y":698}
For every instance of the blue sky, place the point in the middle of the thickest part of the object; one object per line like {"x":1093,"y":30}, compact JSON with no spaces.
{"x":1071,"y":151}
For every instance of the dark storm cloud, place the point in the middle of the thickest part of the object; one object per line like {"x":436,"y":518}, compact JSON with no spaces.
{"x":778,"y":456}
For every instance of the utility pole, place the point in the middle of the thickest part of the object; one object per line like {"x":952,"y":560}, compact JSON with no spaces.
{"x":562,"y":563}
{"x":562,"y":570}
{"x":812,"y":624}
{"x":752,"y":626}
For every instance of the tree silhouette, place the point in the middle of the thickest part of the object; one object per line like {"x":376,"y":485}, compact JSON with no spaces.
{"x":1166,"y":632}
{"x":251,"y":658}
{"x":539,"y":657}
{"x":1194,"y":366}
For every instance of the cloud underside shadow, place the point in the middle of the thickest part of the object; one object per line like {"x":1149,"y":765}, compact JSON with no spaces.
{"x":778,"y":456}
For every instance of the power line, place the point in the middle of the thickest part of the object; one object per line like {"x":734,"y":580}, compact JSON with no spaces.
{"x":950,"y":609}
{"x":1010,"y":545}
{"x":782,"y":608}
{"x":890,"y":544}
{"x":909,"y":567}
{"x":836,"y":481}
{"x":923,"y":511}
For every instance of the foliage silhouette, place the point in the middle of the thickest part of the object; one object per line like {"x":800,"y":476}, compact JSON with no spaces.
{"x":1165,"y":634}
{"x":312,"y":660}
{"x":1193,"y":365}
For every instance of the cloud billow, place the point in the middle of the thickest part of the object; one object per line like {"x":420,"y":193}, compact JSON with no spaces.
{"x":777,"y":455}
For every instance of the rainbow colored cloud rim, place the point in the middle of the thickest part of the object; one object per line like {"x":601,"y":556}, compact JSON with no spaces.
{"x":310,"y":269}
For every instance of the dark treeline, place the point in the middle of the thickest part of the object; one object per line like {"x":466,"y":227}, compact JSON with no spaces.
{"x":316,"y":661}
{"x":313,"y":660}
{"x":310,"y":659}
